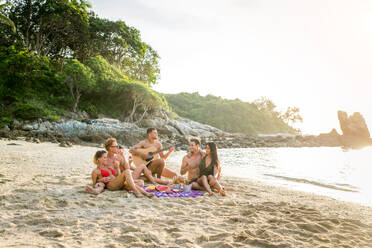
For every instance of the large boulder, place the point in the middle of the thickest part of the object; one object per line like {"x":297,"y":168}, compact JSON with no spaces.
{"x":353,"y":125}
{"x":192,"y":128}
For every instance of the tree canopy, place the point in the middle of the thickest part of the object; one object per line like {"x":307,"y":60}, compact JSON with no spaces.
{"x":64,"y":57}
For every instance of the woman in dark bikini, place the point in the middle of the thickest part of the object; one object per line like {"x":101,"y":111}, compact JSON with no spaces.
{"x":209,"y":168}
{"x":105,"y":177}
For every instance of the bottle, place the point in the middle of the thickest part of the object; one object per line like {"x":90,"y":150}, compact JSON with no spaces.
{"x":186,"y":181}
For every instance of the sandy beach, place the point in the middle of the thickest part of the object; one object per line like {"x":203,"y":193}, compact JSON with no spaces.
{"x":43,"y":204}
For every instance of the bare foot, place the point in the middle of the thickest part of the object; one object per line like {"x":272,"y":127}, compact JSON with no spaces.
{"x":150,"y":195}
{"x":222,"y":192}
{"x":90,"y":190}
{"x":138,"y":194}
{"x":211,"y":193}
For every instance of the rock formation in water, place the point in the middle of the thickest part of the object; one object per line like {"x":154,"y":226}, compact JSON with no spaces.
{"x":353,"y":125}
{"x":355,"y":132}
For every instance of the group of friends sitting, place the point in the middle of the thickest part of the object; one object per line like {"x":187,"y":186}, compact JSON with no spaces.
{"x":147,"y":164}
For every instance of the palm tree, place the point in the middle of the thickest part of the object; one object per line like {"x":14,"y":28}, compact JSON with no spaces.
{"x":4,"y":19}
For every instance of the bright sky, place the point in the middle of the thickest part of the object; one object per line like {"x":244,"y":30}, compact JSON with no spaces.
{"x":315,"y":55}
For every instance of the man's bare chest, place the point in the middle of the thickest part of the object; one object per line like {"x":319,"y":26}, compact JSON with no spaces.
{"x":148,"y":145}
{"x":194,"y":163}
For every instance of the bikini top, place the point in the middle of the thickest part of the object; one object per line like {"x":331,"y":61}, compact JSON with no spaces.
{"x":105,"y":173}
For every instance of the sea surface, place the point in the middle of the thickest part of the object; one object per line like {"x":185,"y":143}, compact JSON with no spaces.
{"x":343,"y":174}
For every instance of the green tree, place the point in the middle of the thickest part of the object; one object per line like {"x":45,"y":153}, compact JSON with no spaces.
{"x":122,"y":47}
{"x":4,"y":19}
{"x":53,"y":28}
{"x":292,"y":115}
{"x":264,"y":104}
{"x":78,"y":79}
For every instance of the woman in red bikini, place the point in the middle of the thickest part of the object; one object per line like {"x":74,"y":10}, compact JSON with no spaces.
{"x":105,"y":177}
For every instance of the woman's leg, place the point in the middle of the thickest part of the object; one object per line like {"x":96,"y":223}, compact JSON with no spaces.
{"x":97,"y":189}
{"x":139,"y":182}
{"x":138,"y":171}
{"x":204,"y":182}
{"x":124,"y":179}
{"x":197,"y":186}
{"x":117,"y":183}
{"x":144,"y":192}
{"x":214,"y":184}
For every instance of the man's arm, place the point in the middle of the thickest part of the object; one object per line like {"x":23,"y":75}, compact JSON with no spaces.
{"x":167,"y":154}
{"x":124,"y":164}
{"x":131,"y":165}
{"x":117,"y":165}
{"x":134,"y":150}
{"x":184,"y":166}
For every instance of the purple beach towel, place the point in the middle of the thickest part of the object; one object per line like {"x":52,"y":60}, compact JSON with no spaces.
{"x":192,"y":193}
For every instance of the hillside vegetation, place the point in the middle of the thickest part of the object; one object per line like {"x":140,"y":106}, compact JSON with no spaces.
{"x":59,"y":59}
{"x":234,"y":115}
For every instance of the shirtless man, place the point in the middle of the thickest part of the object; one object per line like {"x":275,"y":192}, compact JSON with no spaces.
{"x":157,"y":165}
{"x":191,"y":161}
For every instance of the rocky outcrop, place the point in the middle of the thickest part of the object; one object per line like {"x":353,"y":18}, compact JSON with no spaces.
{"x":353,"y":125}
{"x":182,"y":126}
{"x":179,"y":130}
{"x":355,"y":131}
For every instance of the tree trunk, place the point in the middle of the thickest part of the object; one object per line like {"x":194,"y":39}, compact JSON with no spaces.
{"x":71,"y":90}
{"x":77,"y":98}
{"x":143,"y":115}
{"x":135,"y":106}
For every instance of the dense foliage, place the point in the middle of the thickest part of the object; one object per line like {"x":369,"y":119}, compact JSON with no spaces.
{"x":232,"y":115}
{"x":62,"y":58}
{"x":56,"y":56}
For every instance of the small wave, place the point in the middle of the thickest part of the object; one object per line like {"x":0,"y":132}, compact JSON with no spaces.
{"x":301,"y":180}
{"x":346,"y":185}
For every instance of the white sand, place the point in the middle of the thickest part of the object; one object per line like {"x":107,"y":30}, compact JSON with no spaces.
{"x":43,"y":204}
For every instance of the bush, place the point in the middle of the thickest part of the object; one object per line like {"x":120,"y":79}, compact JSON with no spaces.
{"x":30,"y":110}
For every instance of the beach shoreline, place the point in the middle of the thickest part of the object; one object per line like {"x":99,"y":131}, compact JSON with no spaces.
{"x":43,"y":203}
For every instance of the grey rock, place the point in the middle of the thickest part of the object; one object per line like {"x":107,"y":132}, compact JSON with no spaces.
{"x":16,"y":124}
{"x":158,"y":123}
{"x":30,"y":127}
{"x":191,"y":128}
{"x":353,"y":125}
{"x":5,"y":129}
{"x":63,"y":144}
{"x":5,"y":132}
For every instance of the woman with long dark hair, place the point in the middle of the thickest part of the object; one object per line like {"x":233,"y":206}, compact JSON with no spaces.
{"x":209,"y":168}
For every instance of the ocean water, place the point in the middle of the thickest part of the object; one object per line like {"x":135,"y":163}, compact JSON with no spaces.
{"x":343,"y":174}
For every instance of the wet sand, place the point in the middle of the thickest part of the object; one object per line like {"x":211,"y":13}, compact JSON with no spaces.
{"x":43,"y":204}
